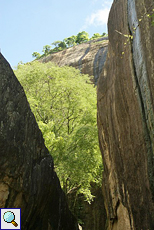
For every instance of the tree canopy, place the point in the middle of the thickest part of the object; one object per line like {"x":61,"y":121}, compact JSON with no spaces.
{"x":36,"y":55}
{"x":71,"y":41}
{"x":46,"y":49}
{"x":64,"y":104}
{"x":82,"y":37}
{"x":96,"y":35}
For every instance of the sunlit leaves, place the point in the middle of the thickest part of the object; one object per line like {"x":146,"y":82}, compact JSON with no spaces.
{"x":82,"y":37}
{"x":64,"y":104}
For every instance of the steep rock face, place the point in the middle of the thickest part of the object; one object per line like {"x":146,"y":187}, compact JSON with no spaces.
{"x":126,"y":117}
{"x":27,"y":177}
{"x":89,"y":57}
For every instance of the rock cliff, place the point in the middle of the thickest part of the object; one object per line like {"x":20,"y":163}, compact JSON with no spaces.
{"x":27,"y":177}
{"x":126,"y":117}
{"x":89,"y":57}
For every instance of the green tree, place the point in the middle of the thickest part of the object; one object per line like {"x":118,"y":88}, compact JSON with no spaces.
{"x":59,"y":45}
{"x":82,"y":37}
{"x":56,"y":43}
{"x":64,"y":104}
{"x":36,"y":55}
{"x":96,"y":35}
{"x":71,"y":41}
{"x":46,"y":49}
{"x":104,"y":35}
{"x":62,"y":45}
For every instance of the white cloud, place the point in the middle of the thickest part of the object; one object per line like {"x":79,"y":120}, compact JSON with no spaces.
{"x":98,"y":18}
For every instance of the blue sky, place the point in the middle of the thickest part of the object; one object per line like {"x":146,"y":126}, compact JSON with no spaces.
{"x":26,"y":26}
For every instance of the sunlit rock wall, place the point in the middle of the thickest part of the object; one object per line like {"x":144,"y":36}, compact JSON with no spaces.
{"x":89,"y":57}
{"x":126,"y":117}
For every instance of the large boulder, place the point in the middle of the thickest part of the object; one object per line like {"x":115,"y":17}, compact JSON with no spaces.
{"x":27,"y":177}
{"x":89,"y":57}
{"x":126,"y":117}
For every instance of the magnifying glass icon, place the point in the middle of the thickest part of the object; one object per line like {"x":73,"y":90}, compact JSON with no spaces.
{"x":9,"y":217}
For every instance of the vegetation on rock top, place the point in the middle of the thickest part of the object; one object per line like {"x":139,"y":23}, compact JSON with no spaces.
{"x":80,"y":38}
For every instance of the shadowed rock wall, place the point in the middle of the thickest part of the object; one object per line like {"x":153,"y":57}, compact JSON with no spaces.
{"x":27,"y":177}
{"x":94,"y":213}
{"x":126,"y":117}
{"x":89,"y":57}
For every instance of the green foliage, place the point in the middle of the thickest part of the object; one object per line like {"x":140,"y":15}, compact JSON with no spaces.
{"x":130,"y":37}
{"x":66,"y":43}
{"x":56,"y":43}
{"x":82,"y":37}
{"x":149,"y":14}
{"x":36,"y":55}
{"x":71,"y":41}
{"x":96,"y":35}
{"x":59,"y":45}
{"x":46,"y":49}
{"x":62,"y":45}
{"x":152,"y":18}
{"x":64,"y":104}
{"x":104,"y":35}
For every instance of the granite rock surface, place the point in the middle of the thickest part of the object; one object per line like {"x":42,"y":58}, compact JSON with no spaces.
{"x":27,"y":177}
{"x":89,"y":57}
{"x":126,"y":117}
